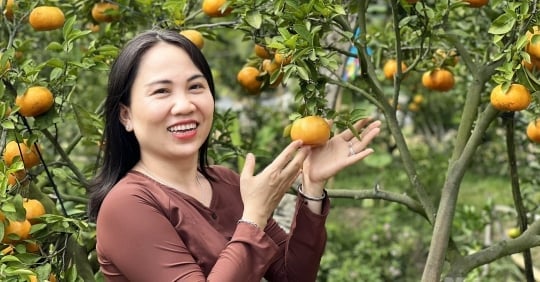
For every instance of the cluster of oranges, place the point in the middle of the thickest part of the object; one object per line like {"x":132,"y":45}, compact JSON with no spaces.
{"x":44,"y":18}
{"x":268,"y":72}
{"x":439,"y":78}
{"x":28,"y":154}
{"x":515,"y":96}
{"x":213,"y":9}
{"x":533,"y":49}
{"x":19,"y":231}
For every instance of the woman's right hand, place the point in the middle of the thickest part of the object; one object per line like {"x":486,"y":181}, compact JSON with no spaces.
{"x":262,"y":193}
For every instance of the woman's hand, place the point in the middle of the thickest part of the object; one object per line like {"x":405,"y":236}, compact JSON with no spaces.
{"x":342,"y":150}
{"x":262,"y":193}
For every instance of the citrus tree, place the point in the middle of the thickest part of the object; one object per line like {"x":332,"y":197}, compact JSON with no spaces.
{"x":393,"y":60}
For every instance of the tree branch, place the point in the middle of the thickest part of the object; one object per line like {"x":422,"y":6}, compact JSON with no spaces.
{"x":376,"y":193}
{"x":530,"y":238}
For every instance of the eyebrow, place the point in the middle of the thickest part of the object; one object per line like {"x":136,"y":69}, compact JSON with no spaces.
{"x":168,"y":81}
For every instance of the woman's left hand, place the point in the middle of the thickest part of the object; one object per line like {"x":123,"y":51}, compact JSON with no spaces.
{"x":342,"y":150}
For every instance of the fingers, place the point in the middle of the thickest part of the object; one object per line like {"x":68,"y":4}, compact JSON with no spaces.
{"x":249,"y":166}
{"x":348,"y":135}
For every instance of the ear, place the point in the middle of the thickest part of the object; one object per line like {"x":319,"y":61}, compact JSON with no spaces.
{"x":125,"y":117}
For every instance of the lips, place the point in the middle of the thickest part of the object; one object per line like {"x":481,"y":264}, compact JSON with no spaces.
{"x":182,"y":127}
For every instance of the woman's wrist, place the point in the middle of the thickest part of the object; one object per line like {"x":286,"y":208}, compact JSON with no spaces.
{"x":257,"y":221}
{"x":312,"y":197}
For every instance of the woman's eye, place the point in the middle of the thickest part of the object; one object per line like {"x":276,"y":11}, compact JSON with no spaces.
{"x":196,"y":86}
{"x":161,"y":91}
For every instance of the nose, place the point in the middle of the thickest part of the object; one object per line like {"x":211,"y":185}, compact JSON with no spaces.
{"x":182,"y":104}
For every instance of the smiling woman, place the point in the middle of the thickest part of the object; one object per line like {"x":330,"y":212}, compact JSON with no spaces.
{"x":191,"y":220}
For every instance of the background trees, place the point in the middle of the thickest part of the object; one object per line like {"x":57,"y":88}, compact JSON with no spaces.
{"x":455,"y":162}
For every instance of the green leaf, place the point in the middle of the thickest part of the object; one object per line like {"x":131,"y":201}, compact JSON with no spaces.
{"x":8,"y":124}
{"x":302,"y":73}
{"x":254,"y":19}
{"x":54,"y":46}
{"x":503,"y":24}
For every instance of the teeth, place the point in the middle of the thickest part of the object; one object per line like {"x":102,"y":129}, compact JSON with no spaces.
{"x":182,"y":127}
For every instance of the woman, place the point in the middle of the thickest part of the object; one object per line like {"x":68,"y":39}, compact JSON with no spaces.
{"x":164,"y":214}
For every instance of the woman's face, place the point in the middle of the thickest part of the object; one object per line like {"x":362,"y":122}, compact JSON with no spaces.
{"x":171,"y":106}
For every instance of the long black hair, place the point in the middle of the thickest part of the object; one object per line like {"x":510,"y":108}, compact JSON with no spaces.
{"x":121,"y":148}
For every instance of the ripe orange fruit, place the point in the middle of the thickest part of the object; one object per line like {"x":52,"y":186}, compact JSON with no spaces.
{"x":32,"y":247}
{"x":312,"y":130}
{"x":438,"y":79}
{"x":477,"y":3}
{"x":8,"y":11}
{"x":269,"y":66}
{"x":533,"y":48}
{"x":32,"y":278}
{"x":213,"y":8}
{"x":248,"y":77}
{"x":443,"y":57}
{"x":35,"y":101}
{"x":105,"y":12}
{"x":262,"y":52}
{"x":390,"y":68}
{"x":517,"y":98}
{"x":29,"y":156}
{"x":45,"y":18}
{"x":533,"y":65}
{"x":281,"y":59}
{"x":34,"y":209}
{"x":194,"y":36}
{"x":19,"y":228}
{"x":14,"y":178}
{"x":533,"y":131}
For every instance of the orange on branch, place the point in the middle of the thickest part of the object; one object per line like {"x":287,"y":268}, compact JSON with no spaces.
{"x":517,"y":98}
{"x":8,"y":11}
{"x":477,"y":3}
{"x":281,"y":59}
{"x":262,"y":52}
{"x":16,"y":177}
{"x":19,"y":228}
{"x":194,"y":36}
{"x":35,"y":101}
{"x":269,"y":66}
{"x":439,"y":79}
{"x":248,"y":77}
{"x":214,"y":8}
{"x":533,"y":131}
{"x":29,"y":156}
{"x":312,"y":130}
{"x":533,"y":48}
{"x":390,"y":68}
{"x":533,"y":65}
{"x":34,"y":209}
{"x":32,"y":247}
{"x":105,"y":12}
{"x":45,"y":18}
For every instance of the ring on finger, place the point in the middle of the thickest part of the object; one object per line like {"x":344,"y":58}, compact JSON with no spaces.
{"x":351,"y":150}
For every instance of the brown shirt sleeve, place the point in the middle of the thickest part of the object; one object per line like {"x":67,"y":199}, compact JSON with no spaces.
{"x":138,"y":239}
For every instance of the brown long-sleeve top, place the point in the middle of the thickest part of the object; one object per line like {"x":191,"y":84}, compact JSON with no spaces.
{"x":147,"y":231}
